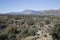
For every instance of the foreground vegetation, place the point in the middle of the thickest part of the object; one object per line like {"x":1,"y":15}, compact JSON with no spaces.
{"x":19,"y":27}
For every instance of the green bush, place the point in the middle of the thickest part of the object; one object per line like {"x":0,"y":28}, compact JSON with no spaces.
{"x":56,"y":31}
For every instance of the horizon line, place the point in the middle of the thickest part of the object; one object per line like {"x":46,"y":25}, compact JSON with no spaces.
{"x":31,"y":9}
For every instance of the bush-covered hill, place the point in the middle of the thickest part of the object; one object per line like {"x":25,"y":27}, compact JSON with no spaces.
{"x":19,"y":27}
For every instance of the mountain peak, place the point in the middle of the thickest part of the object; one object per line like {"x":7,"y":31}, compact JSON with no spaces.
{"x":27,"y":11}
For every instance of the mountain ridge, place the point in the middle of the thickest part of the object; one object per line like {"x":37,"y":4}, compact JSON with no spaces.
{"x":33,"y":12}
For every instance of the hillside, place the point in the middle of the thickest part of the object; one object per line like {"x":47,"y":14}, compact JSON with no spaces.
{"x":16,"y":27}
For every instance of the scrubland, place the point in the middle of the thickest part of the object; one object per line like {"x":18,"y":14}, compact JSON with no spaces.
{"x":24,"y":27}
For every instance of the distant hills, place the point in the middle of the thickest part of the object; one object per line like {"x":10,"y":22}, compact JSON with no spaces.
{"x":25,"y":12}
{"x":32,"y":12}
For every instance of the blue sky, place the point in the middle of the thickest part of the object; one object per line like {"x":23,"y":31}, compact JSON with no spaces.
{"x":20,"y":5}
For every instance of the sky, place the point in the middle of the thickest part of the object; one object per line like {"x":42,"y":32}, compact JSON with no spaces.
{"x":20,"y":5}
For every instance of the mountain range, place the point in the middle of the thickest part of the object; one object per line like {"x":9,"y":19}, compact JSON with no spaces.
{"x":32,"y":12}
